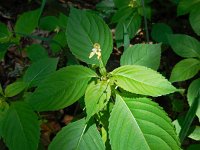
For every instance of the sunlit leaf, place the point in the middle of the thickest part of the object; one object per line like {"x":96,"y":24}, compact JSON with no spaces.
{"x":83,"y":31}
{"x":61,"y":89}
{"x":140,"y":124}
{"x":96,"y":97}
{"x":185,"y":69}
{"x":141,"y":80}
{"x":77,"y":136}
{"x":142,"y":54}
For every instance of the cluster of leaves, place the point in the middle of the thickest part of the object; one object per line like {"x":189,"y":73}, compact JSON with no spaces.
{"x":116,"y":100}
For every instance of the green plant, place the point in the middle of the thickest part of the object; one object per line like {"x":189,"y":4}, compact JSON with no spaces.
{"x":135,"y":121}
{"x":129,"y":18}
{"x":103,"y":94}
{"x":188,"y":48}
{"x":119,"y":108}
{"x":191,"y":7}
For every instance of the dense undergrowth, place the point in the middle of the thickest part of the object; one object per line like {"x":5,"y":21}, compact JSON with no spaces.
{"x":111,"y":74}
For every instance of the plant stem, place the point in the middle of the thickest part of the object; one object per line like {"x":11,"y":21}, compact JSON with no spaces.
{"x":102,"y":68}
{"x":145,"y":21}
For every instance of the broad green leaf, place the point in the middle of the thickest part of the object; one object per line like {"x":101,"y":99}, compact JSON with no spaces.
{"x":62,"y":20}
{"x":159,"y":32}
{"x":59,"y":42}
{"x":48,"y":23}
{"x":27,"y":22}
{"x":21,"y":127}
{"x":192,"y":93}
{"x":77,"y":136}
{"x":15,"y":88}
{"x":140,"y":124}
{"x":185,"y":69}
{"x":142,"y":54}
{"x":37,"y":72}
{"x":123,"y":14}
{"x":36,"y":52}
{"x":3,"y":49}
{"x":194,"y":19}
{"x":184,"y":45}
{"x":141,"y":80}
{"x":83,"y":31}
{"x":61,"y":89}
{"x":189,"y":118}
{"x":185,"y":6}
{"x":96,"y":97}
{"x":132,"y":24}
{"x":195,"y":135}
{"x":4,"y":33}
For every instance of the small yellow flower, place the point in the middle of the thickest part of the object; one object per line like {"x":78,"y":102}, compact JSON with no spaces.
{"x":96,"y":50}
{"x":132,"y":3}
{"x":57,"y":29}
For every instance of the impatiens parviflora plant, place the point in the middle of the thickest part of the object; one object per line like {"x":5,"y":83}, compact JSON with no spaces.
{"x":133,"y":121}
{"x":118,"y":115}
{"x":128,"y":18}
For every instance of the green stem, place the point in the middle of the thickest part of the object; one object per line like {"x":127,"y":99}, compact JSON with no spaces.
{"x":145,"y":22}
{"x":102,"y":68}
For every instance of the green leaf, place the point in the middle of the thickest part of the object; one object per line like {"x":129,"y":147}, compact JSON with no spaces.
{"x":185,"y":69}
{"x":62,"y":19}
{"x":141,"y":80}
{"x":77,"y":136}
{"x":178,"y":123}
{"x":96,"y":97}
{"x":36,"y":52}
{"x":27,"y":22}
{"x":21,"y":127}
{"x":140,"y":124}
{"x":4,"y":33}
{"x":192,"y":93}
{"x":123,"y":14}
{"x":185,"y":6}
{"x":38,"y":71}
{"x":195,"y":135}
{"x":184,"y":45}
{"x":61,"y":89}
{"x":132,"y":24}
{"x":48,"y":23}
{"x":15,"y":88}
{"x":142,"y":54}
{"x":59,"y":42}
{"x":83,"y":31}
{"x":159,"y":32}
{"x":189,"y":118}
{"x":194,"y":19}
